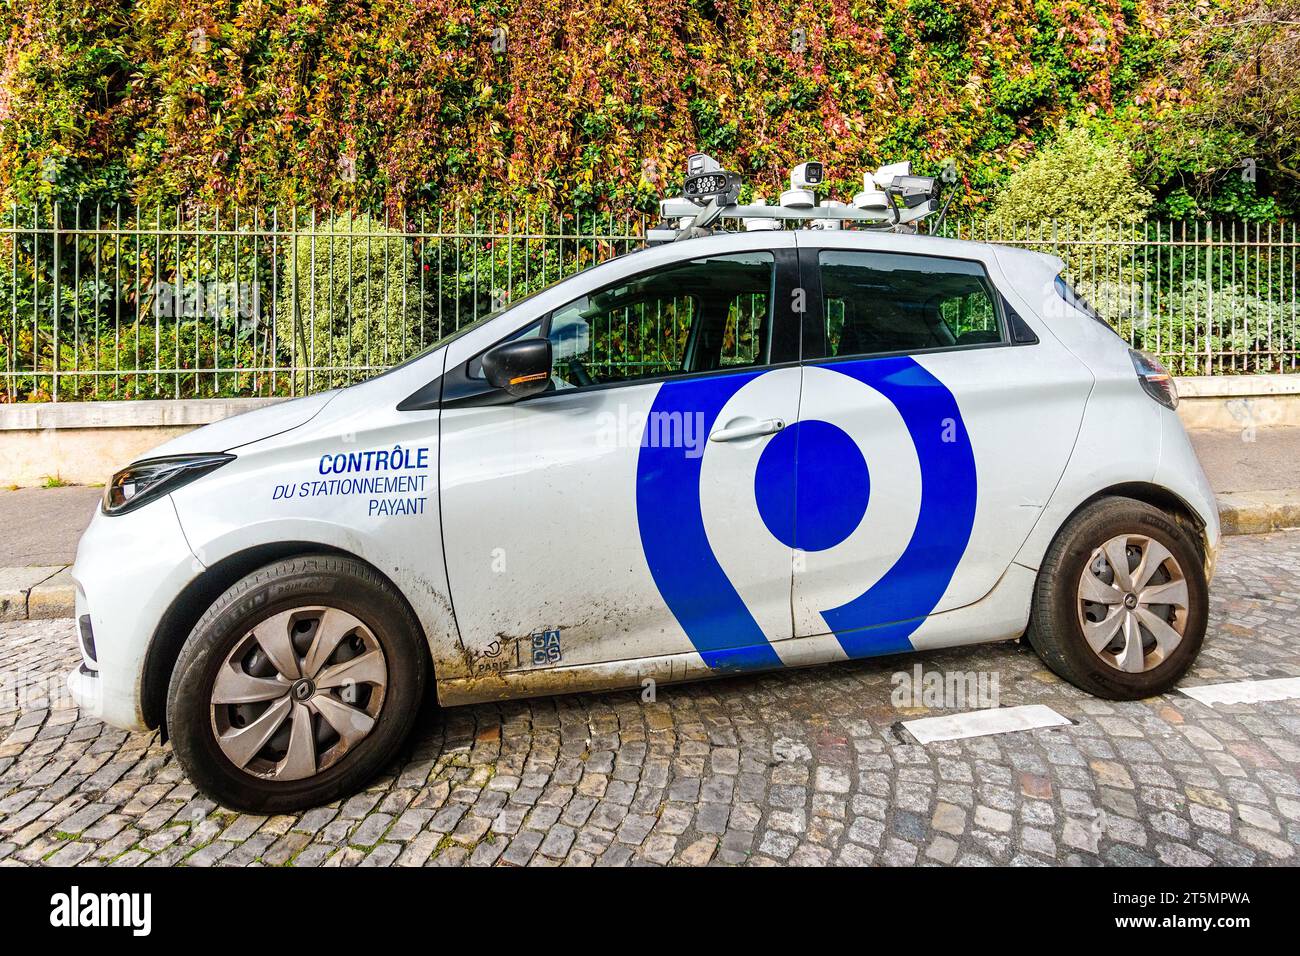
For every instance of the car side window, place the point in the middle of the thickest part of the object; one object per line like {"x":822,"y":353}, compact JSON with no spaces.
{"x":877,"y":302}
{"x":694,"y":316}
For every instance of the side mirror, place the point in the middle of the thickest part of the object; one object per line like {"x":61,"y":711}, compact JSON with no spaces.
{"x":522,"y":367}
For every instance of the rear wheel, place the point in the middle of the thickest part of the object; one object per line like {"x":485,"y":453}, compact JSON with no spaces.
{"x":297,"y":686}
{"x":1121,"y":601}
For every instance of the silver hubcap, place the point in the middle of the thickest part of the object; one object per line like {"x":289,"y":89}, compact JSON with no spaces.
{"x":1133,"y":603}
{"x":300,"y":690}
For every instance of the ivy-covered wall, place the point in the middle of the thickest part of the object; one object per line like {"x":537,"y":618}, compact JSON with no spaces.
{"x":398,"y":104}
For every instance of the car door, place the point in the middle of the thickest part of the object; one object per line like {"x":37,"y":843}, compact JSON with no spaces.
{"x":615,"y":517}
{"x":935,"y":423}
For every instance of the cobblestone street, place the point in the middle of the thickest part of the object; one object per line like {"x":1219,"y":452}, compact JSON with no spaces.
{"x":796,"y":767}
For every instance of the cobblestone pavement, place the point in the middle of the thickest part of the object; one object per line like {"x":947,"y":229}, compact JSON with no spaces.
{"x":799,"y":767}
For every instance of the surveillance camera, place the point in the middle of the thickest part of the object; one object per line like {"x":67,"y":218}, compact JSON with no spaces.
{"x":830,"y":224}
{"x":722,"y":185}
{"x":807,"y":176}
{"x":872,"y":196}
{"x":759,"y":223}
{"x":895,"y":179}
{"x":802,"y":178}
{"x":916,"y":190}
{"x":706,"y":180}
{"x":884,"y":176}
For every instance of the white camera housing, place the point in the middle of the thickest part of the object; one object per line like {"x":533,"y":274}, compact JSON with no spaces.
{"x":803,"y":179}
{"x":884,"y":176}
{"x":698,"y":163}
{"x":759,"y":224}
{"x":870,"y":198}
{"x":807,"y":175}
{"x":873,"y":185}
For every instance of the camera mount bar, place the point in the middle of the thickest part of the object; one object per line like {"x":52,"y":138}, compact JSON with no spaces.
{"x":695,"y":220}
{"x":892,"y":198}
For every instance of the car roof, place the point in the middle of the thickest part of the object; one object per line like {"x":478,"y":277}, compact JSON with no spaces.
{"x":873,"y":240}
{"x":920,"y":244}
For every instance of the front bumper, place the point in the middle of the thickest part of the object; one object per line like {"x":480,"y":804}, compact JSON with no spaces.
{"x":87,"y":691}
{"x":129,"y":570}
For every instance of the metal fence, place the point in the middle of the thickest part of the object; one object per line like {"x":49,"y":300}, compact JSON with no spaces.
{"x":1206,"y":298}
{"x":119,"y":304}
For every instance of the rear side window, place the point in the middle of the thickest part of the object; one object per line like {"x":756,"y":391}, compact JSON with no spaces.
{"x":1072,"y":297}
{"x":885,"y":302}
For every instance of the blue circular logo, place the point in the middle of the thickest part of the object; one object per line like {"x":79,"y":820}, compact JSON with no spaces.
{"x":811,"y":487}
{"x":831,"y":485}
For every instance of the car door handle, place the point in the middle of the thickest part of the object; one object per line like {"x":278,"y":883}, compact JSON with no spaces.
{"x":751,"y":430}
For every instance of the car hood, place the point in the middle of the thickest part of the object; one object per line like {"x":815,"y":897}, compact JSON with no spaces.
{"x":231,"y":433}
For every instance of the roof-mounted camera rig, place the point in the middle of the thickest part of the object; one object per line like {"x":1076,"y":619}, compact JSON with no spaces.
{"x":891,"y":199}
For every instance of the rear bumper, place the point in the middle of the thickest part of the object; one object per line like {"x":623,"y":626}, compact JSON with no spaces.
{"x":129,"y":569}
{"x":1180,"y":471}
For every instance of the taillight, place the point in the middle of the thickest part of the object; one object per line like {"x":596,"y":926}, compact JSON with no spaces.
{"x":1155,"y":378}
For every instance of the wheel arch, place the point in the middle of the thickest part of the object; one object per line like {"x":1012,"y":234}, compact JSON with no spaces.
{"x":1056,"y":628}
{"x":1158,"y":496}
{"x":198,"y":595}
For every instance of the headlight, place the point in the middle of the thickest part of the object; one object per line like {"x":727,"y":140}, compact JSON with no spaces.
{"x":146,"y":480}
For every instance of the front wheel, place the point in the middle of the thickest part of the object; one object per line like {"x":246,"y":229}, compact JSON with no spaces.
{"x":297,"y":686}
{"x":1121,"y":601}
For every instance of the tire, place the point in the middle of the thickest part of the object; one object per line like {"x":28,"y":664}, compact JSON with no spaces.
{"x":1061,"y":622}
{"x":304,"y":609}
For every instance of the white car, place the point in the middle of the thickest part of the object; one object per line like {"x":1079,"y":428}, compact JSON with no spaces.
{"x":732,"y":453}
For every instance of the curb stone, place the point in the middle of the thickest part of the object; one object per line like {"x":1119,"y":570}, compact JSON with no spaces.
{"x":47,"y":590}
{"x":54,"y":597}
{"x":1257,"y":512}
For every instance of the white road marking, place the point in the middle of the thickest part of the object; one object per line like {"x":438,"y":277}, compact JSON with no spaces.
{"x":981,"y":723}
{"x":1245,"y":691}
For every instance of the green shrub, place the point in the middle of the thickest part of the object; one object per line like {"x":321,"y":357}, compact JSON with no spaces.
{"x":1080,"y":179}
{"x":389,"y":104}
{"x":361,"y":309}
{"x":100,"y":365}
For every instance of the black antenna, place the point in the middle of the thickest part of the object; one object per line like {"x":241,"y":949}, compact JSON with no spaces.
{"x":943,"y":211}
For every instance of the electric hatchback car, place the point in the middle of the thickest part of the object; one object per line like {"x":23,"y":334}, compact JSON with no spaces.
{"x":738,"y":452}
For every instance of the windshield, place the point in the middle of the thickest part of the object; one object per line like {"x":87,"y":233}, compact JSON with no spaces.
{"x":463,"y":330}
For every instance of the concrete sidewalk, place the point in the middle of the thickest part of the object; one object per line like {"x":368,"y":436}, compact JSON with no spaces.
{"x":38,"y":540}
{"x":1256,"y":476}
{"x":41,"y":526}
